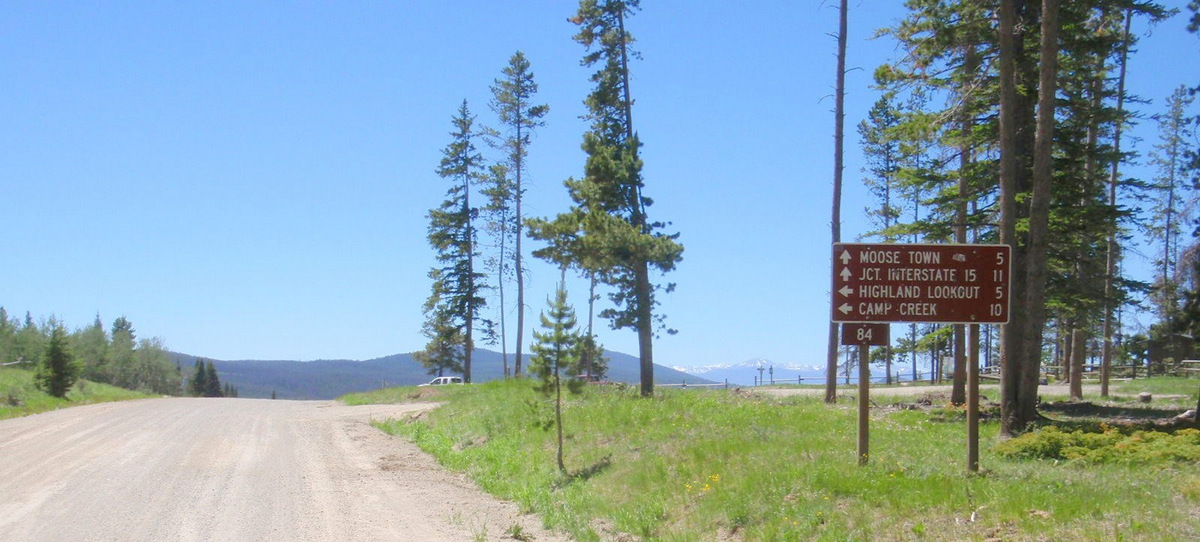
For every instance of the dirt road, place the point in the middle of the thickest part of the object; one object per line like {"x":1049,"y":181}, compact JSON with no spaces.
{"x":230,"y":470}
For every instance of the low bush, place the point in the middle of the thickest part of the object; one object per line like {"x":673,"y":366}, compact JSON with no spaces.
{"x":1106,"y":446}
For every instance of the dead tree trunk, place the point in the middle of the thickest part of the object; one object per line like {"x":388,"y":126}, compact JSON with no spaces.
{"x":836,"y":224}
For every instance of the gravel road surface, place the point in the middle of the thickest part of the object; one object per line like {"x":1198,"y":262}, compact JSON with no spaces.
{"x":231,"y":470}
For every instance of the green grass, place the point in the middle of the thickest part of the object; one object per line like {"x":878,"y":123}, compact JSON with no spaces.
{"x":1160,"y":385}
{"x":710,"y":465}
{"x":19,"y":396}
{"x":403,"y":395}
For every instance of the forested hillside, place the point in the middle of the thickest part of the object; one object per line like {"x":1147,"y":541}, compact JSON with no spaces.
{"x":327,"y":379}
{"x":111,"y":356}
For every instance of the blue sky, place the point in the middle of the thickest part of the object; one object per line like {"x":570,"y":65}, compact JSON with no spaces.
{"x":250,"y":180}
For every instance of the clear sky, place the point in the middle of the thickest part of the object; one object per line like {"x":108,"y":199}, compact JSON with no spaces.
{"x":251,"y":179}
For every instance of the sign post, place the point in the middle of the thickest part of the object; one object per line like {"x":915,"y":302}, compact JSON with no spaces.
{"x":945,"y":283}
{"x":973,"y":400}
{"x":864,"y":336}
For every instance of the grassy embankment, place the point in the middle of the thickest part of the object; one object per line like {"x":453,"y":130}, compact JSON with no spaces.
{"x":711,"y":465}
{"x":20,"y":397}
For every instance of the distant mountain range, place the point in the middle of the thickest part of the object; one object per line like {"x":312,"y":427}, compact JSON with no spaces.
{"x":328,"y":379}
{"x":745,"y":373}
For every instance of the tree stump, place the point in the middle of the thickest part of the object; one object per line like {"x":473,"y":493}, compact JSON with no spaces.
{"x":1144,"y":397}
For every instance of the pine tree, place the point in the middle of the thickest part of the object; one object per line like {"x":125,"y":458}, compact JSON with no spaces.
{"x":121,"y":364}
{"x":1051,"y":180}
{"x":498,"y":210}
{"x":1172,"y":196}
{"x":29,"y":343}
{"x":512,"y":101}
{"x":556,"y":351}
{"x":59,"y":369}
{"x":8,"y":337}
{"x":199,"y":381}
{"x":611,"y":232}
{"x":91,"y":346}
{"x":881,"y":152}
{"x":212,"y":383}
{"x":456,"y":298}
{"x":443,"y":352}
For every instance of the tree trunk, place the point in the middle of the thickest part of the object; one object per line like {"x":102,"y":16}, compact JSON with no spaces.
{"x":587,"y":359}
{"x":836,"y":222}
{"x":643,"y":290}
{"x":1078,"y":350}
{"x":469,"y":344}
{"x":887,"y":363}
{"x":958,"y":393}
{"x":1067,"y":350}
{"x":1010,"y":337}
{"x":912,"y":354}
{"x":645,"y":329}
{"x":500,"y":288}
{"x":558,"y":356}
{"x":519,"y":269}
{"x":935,"y":363}
{"x":1039,"y":216}
{"x":1111,"y":252}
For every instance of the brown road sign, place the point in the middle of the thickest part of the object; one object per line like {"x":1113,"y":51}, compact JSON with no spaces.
{"x":955,"y":284}
{"x":866,"y":334}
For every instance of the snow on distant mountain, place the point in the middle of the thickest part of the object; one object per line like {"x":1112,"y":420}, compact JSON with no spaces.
{"x":745,"y":373}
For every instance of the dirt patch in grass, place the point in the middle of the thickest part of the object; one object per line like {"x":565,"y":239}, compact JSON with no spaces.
{"x":1085,"y":414}
{"x":426,"y":393}
{"x":1116,"y":411}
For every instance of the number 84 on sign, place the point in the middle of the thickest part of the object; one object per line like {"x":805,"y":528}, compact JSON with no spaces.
{"x":866,"y":334}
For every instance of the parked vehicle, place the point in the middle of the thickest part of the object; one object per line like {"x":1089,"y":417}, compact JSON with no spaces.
{"x":443,"y":380}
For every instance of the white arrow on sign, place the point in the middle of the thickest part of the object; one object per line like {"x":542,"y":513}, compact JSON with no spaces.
{"x":845,"y":273}
{"x":846,"y":308}
{"x":846,"y":291}
{"x":845,"y":257}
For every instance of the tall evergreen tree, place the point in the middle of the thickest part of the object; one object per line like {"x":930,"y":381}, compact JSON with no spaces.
{"x":212,"y":382}
{"x":91,"y":347}
{"x":498,"y":192}
{"x":1110,"y":249}
{"x":1172,"y":196}
{"x":881,"y":152}
{"x":456,"y":297}
{"x":609,"y":202}
{"x":199,"y":381}
{"x":513,"y":102}
{"x":121,"y":361}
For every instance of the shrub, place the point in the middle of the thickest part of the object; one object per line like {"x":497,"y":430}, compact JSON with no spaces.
{"x":1108,"y":446}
